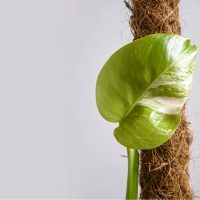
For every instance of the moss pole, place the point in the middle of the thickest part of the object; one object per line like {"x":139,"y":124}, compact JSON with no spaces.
{"x":164,"y":170}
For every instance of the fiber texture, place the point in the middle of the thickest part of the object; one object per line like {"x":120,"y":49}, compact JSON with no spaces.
{"x":164,"y":170}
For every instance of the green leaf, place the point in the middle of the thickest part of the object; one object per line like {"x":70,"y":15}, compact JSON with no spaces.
{"x":143,"y":86}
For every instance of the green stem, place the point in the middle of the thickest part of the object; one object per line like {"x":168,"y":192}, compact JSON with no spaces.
{"x":132,"y":180}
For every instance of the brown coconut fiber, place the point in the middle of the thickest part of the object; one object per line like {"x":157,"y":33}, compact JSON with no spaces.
{"x":163,"y":170}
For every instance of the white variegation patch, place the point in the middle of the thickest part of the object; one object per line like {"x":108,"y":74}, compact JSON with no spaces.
{"x":168,"y":105}
{"x":164,"y":81}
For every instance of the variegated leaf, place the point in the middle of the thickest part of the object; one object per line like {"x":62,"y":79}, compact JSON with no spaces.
{"x":143,"y":86}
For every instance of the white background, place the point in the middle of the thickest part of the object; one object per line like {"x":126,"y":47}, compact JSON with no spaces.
{"x":53,"y":142}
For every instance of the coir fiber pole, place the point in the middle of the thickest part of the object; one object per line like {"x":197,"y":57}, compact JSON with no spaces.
{"x":164,"y":170}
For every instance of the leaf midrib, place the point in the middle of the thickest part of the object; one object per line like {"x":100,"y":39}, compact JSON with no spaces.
{"x":142,"y":95}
